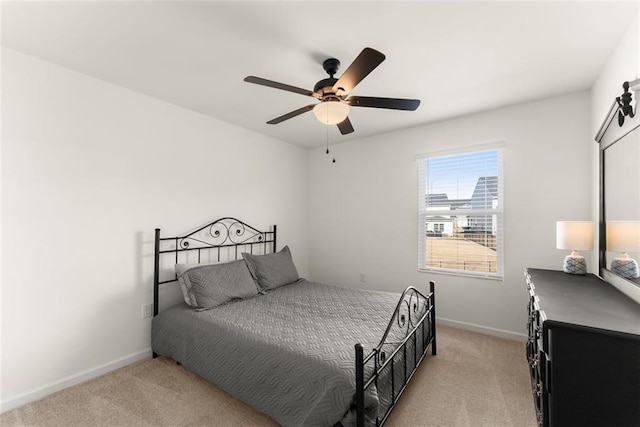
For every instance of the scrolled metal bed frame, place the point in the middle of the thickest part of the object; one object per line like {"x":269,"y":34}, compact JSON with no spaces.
{"x":414,"y":318}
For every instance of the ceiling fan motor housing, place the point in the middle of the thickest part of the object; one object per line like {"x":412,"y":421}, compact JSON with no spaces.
{"x":325,"y":86}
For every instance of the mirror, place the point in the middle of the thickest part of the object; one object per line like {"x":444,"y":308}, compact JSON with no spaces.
{"x":620,"y":201}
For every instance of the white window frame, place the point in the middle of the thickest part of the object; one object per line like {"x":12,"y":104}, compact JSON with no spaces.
{"x":497,"y":212}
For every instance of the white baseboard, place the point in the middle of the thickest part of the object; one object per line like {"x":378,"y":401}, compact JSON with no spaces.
{"x":41,"y":392}
{"x":501,"y":333}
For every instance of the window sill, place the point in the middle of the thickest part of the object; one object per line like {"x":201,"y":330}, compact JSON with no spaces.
{"x":477,"y":275}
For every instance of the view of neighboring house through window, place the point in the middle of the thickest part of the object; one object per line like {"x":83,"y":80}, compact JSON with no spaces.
{"x":460,"y":212}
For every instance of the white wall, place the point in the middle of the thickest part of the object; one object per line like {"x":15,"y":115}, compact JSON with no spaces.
{"x":363,"y":209}
{"x":89,"y":169}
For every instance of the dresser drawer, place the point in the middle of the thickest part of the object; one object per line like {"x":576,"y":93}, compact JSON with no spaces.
{"x":536,"y":356}
{"x":538,"y":369}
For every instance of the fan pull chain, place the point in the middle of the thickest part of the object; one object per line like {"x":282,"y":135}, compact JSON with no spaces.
{"x":327,"y":129}
{"x":327,"y":151}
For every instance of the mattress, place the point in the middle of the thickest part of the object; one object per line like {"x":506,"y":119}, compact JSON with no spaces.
{"x":288,"y":353}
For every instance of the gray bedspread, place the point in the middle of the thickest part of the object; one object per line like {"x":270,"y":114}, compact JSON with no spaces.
{"x":289,"y":353}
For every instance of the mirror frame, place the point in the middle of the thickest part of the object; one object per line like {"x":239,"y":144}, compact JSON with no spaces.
{"x":607,"y":136}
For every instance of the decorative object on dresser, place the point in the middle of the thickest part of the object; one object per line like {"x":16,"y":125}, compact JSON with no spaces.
{"x":575,"y":236}
{"x":583,"y":351}
{"x":624,"y":236}
{"x":298,"y":351}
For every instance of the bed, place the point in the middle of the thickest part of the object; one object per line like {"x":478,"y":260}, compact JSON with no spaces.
{"x":304,"y":353}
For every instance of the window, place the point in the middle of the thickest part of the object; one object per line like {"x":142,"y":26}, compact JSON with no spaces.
{"x":460,"y":212}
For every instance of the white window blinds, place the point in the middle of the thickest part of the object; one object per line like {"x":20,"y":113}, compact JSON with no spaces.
{"x":460,"y":212}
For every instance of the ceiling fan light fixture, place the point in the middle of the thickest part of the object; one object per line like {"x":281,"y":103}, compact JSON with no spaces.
{"x":331,"y":112}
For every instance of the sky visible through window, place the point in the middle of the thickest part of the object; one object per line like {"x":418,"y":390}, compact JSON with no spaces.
{"x":457,"y":175}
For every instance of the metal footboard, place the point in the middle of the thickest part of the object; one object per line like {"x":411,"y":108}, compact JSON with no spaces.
{"x":394,"y":361}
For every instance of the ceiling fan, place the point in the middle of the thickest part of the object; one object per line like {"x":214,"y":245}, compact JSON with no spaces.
{"x":333,"y":93}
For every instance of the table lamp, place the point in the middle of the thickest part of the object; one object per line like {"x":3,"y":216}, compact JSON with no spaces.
{"x":624,"y":236}
{"x":576,"y":236}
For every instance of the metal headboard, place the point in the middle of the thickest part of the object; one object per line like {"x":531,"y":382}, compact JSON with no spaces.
{"x":222,"y":233}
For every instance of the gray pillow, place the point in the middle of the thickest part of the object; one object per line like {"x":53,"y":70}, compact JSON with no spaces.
{"x":210,"y":285}
{"x":272,"y":270}
{"x":187,"y":293}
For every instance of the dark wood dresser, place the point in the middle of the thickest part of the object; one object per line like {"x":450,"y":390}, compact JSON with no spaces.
{"x":583,"y":351}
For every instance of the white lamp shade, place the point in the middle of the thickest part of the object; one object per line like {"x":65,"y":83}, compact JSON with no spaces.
{"x":331,"y":112}
{"x":574,"y":235}
{"x":623,"y":236}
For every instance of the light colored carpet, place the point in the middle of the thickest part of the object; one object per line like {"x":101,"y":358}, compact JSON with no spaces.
{"x":475,"y":380}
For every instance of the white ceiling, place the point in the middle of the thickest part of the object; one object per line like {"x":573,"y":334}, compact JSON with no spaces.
{"x":456,"y":57}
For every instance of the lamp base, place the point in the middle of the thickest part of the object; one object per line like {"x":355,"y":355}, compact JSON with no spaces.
{"x":625,"y":267}
{"x":575,"y":264}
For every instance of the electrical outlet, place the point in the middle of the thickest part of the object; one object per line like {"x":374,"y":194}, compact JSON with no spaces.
{"x":147,"y":310}
{"x":362,"y":277}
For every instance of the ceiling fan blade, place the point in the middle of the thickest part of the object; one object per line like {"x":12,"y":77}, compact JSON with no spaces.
{"x":291,"y":114}
{"x":389,"y":103}
{"x":345,"y":126}
{"x":360,"y":68}
{"x":282,"y":86}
